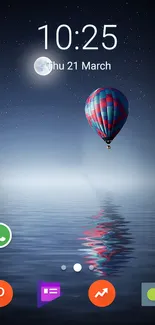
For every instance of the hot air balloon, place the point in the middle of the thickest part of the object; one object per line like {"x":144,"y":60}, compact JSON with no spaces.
{"x":106,"y":110}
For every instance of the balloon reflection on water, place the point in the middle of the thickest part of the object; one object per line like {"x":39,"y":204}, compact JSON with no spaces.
{"x":107,"y":246}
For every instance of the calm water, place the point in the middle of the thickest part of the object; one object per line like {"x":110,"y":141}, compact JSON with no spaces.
{"x":115,"y":233}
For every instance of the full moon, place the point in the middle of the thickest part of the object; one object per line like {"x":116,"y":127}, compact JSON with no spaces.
{"x":43,"y":66}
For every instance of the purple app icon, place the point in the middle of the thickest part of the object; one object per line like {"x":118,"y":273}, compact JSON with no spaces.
{"x":47,"y":291}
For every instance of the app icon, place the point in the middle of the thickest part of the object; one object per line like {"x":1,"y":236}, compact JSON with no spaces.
{"x":6,"y":293}
{"x":148,"y":294}
{"x":47,"y":291}
{"x":101,"y":293}
{"x":5,"y":235}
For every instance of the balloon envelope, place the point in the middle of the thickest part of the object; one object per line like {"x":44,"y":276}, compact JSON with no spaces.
{"x":106,"y":110}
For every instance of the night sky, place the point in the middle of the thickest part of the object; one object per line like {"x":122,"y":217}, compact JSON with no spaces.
{"x":44,"y":134}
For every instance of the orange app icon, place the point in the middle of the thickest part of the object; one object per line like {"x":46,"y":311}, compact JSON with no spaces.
{"x":6,"y":293}
{"x":101,"y":293}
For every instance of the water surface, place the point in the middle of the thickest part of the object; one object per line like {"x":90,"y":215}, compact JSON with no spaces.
{"x":113,"y":232}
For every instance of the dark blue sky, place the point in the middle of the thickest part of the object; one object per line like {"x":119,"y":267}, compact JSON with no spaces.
{"x":43,"y":129}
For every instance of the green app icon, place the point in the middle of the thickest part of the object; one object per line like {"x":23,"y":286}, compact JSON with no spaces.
{"x":151,"y":294}
{"x":5,"y":235}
